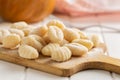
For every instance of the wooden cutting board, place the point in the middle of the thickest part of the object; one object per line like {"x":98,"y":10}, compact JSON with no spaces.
{"x":95,"y":59}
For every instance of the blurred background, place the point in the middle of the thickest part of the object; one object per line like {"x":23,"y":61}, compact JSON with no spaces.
{"x":76,"y":10}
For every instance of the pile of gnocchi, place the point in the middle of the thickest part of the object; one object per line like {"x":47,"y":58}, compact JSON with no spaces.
{"x":52,"y":39}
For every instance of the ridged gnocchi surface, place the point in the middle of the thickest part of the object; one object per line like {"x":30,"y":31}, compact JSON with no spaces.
{"x":52,"y":39}
{"x":86,"y":43}
{"x":11,"y":41}
{"x":27,"y":30}
{"x":28,"y":52}
{"x":70,"y":34}
{"x":55,"y":34}
{"x":61,"y":54}
{"x":18,"y":32}
{"x":56,"y":23}
{"x":81,"y":33}
{"x":19,"y":25}
{"x":48,"y":49}
{"x":22,"y":26}
{"x":41,"y":31}
{"x":3,"y":33}
{"x":31,"y":41}
{"x":38,"y":38}
{"x":77,"y":49}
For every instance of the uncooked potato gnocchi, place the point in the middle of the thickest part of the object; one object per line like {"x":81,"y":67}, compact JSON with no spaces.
{"x":41,"y":31}
{"x":77,"y":49}
{"x":22,"y":26}
{"x":61,"y":54}
{"x":38,"y":38}
{"x":27,"y":30}
{"x":53,"y":39}
{"x":18,"y":32}
{"x":3,"y":33}
{"x":11,"y":41}
{"x":81,"y":33}
{"x":48,"y":49}
{"x":56,"y":23}
{"x":19,"y":25}
{"x":63,"y":42}
{"x":70,"y":34}
{"x":28,"y":52}
{"x":55,"y":34}
{"x":46,"y":38}
{"x":31,"y":41}
{"x":86,"y":43}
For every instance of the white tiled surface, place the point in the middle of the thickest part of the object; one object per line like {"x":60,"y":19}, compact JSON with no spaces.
{"x":9,"y":71}
{"x":38,"y":75}
{"x":91,"y":75}
{"x":113,"y":43}
{"x":116,"y":76}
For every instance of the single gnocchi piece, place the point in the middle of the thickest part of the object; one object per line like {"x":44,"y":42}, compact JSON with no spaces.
{"x":55,"y":34}
{"x":77,"y":49}
{"x":95,"y":39}
{"x":22,"y":26}
{"x":70,"y":34}
{"x":31,"y":41}
{"x":3,"y":33}
{"x":11,"y":41}
{"x":38,"y":38}
{"x":19,"y":25}
{"x":61,"y":54}
{"x":18,"y":32}
{"x":57,"y":23}
{"x":81,"y":33}
{"x":48,"y":49}
{"x":86,"y":43}
{"x":28,"y":52}
{"x":41,"y":31}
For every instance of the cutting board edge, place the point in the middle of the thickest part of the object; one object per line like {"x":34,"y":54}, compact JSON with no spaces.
{"x":52,"y":70}
{"x":60,"y":71}
{"x":65,"y":72}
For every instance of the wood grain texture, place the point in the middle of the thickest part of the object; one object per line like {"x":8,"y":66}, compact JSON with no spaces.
{"x":93,"y":60}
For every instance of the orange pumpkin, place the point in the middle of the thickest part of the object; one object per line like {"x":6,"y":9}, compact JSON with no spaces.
{"x":25,"y":10}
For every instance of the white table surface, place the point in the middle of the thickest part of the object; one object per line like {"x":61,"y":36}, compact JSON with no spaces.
{"x":10,"y":71}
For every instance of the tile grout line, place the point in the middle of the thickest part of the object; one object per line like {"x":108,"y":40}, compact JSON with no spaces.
{"x":111,"y":73}
{"x":69,"y":78}
{"x":25,"y":72}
